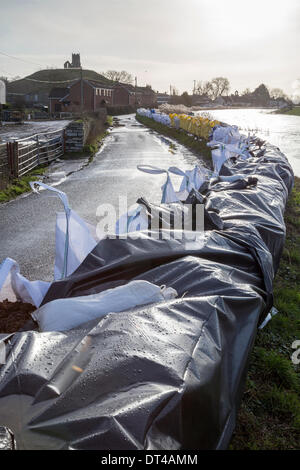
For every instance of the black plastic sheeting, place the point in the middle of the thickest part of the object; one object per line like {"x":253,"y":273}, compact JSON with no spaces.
{"x":168,"y":375}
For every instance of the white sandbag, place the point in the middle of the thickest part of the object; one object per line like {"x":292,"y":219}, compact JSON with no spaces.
{"x":64,"y":314}
{"x":219,"y":156}
{"x":74,"y":240}
{"x":73,"y":236}
{"x":192,"y":179}
{"x":226,"y":134}
{"x":168,"y":192}
{"x":223,"y":152}
{"x":15,"y":287}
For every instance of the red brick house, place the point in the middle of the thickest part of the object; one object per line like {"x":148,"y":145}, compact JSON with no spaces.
{"x":95,"y":95}
{"x":148,"y":96}
{"x":125,"y":94}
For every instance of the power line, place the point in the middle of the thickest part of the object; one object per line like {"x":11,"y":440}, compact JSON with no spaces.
{"x":50,"y":81}
{"x":22,"y":60}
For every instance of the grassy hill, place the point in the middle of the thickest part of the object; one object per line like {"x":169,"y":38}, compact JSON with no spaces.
{"x":43,"y":80}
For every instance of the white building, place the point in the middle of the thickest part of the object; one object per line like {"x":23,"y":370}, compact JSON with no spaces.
{"x":2,"y":92}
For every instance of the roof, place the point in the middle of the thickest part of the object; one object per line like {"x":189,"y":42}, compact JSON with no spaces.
{"x":133,"y":89}
{"x":97,"y":84}
{"x":59,"y":92}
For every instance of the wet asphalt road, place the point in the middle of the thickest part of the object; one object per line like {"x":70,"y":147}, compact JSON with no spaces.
{"x":27,"y":224}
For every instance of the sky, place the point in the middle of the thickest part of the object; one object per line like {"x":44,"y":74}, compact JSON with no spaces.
{"x":162,"y":42}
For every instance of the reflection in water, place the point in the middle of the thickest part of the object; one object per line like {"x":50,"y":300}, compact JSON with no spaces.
{"x":279,"y":129}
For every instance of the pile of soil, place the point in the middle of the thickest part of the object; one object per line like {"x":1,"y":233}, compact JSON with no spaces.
{"x":14,"y":315}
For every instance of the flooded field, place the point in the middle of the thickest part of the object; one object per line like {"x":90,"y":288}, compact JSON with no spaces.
{"x":279,"y":129}
{"x":11,"y":131}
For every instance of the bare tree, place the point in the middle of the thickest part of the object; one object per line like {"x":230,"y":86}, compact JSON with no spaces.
{"x":277,"y":93}
{"x":247,"y":91}
{"x":216,"y":87}
{"x":220,"y":86}
{"x":203,"y":88}
{"x":118,"y":76}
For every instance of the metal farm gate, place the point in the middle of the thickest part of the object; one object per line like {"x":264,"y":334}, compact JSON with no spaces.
{"x":21,"y":156}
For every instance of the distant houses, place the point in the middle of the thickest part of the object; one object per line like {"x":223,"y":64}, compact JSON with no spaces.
{"x":201,"y":100}
{"x":126,"y":94}
{"x":162,"y":98}
{"x":85,"y":96}
{"x":260,"y":98}
{"x":73,"y":90}
{"x":90,"y":96}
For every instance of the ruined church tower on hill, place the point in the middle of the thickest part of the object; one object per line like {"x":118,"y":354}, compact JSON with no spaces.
{"x":75,"y":64}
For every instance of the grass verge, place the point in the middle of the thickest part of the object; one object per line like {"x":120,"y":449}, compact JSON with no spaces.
{"x":21,"y":185}
{"x":292,"y":112}
{"x":269,"y":417}
{"x":196,"y":145}
{"x":93,"y":145}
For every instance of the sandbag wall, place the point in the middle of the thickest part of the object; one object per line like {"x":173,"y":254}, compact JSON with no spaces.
{"x":168,"y":375}
{"x":198,"y":126}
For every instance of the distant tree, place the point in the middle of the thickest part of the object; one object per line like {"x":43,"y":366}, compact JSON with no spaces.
{"x":216,"y":87}
{"x":203,"y":88}
{"x":220,"y":86}
{"x":186,"y":99}
{"x":261,"y":95}
{"x":278,"y":93}
{"x":4,"y":79}
{"x":118,"y":76}
{"x":247,"y":91}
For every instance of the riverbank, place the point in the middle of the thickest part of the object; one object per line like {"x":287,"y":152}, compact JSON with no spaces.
{"x":295,"y":111}
{"x":269,"y":417}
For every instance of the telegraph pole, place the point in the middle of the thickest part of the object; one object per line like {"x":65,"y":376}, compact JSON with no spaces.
{"x":81,"y":91}
{"x":135,"y":79}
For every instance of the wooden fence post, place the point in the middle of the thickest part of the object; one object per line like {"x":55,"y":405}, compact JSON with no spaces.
{"x":12,"y":157}
{"x":16,"y":159}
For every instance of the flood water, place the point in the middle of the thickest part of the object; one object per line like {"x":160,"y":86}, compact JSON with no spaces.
{"x":11,"y":131}
{"x":278,"y":129}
